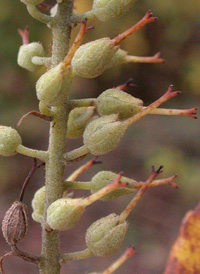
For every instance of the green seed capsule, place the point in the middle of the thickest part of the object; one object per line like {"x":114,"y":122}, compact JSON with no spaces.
{"x":110,"y":9}
{"x":104,"y":237}
{"x":38,"y":204}
{"x":30,"y":2}
{"x":118,"y":59}
{"x":104,"y":134}
{"x":63,"y":214}
{"x":78,"y":120}
{"x":115,"y":101}
{"x":9,"y":141}
{"x":53,"y":11}
{"x":53,"y":87}
{"x":27,"y":52}
{"x":104,"y":178}
{"x":90,"y":60}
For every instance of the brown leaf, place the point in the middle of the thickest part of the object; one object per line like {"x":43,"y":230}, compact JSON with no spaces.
{"x":184,"y":257}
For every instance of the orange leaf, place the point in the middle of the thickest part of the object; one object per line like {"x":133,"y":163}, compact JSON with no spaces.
{"x":184,"y":257}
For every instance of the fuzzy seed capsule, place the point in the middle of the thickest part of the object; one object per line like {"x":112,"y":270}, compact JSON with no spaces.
{"x":104,"y":178}
{"x":27,"y":52}
{"x":38,"y":204}
{"x":78,"y":120}
{"x":53,"y":11}
{"x":63,"y":214}
{"x":115,"y":101}
{"x":53,"y":87}
{"x":15,"y":224}
{"x":104,"y":134}
{"x":110,"y":9}
{"x":119,"y":58}
{"x":9,"y":141}
{"x":30,"y":2}
{"x":104,"y":237}
{"x":90,"y":60}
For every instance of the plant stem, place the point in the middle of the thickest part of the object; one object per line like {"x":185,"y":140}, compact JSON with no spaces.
{"x":61,"y":30}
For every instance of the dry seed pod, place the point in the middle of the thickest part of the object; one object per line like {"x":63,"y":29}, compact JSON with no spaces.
{"x":63,"y":214}
{"x":91,"y":59}
{"x":115,"y":101}
{"x":30,"y":2}
{"x":104,"y":178}
{"x":27,"y":52}
{"x":104,"y":237}
{"x":15,"y":224}
{"x":9,"y":141}
{"x":106,"y":10}
{"x":53,"y":87}
{"x":104,"y":134}
{"x":78,"y":120}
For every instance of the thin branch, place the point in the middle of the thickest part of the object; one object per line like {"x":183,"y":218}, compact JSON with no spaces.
{"x":36,"y":114}
{"x":127,"y":254}
{"x":78,"y":185}
{"x":168,"y":95}
{"x":76,"y":154}
{"x":35,"y":13}
{"x":125,"y":213}
{"x":148,"y":18}
{"x":40,"y":154}
{"x":82,"y":169}
{"x":76,"y":256}
{"x":32,"y":171}
{"x":145,"y":59}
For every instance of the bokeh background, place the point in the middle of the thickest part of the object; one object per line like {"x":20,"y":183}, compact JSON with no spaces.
{"x":156,"y":140}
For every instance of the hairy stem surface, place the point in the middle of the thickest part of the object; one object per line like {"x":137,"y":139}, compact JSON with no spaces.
{"x":61,"y":29}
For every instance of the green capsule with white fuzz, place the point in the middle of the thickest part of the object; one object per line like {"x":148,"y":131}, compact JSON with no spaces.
{"x":104,"y":134}
{"x":38,"y":204}
{"x":119,"y":58}
{"x":104,"y":178}
{"x":52,"y":88}
{"x":27,"y":52}
{"x":110,"y":9}
{"x":115,"y":101}
{"x":91,"y":59}
{"x":104,"y":237}
{"x":64,"y":213}
{"x":32,"y":2}
{"x":78,"y":120}
{"x":9,"y":141}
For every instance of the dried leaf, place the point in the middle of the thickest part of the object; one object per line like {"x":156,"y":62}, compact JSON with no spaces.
{"x":185,"y":254}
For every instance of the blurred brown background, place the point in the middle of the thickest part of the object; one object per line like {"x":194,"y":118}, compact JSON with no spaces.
{"x":156,"y":140}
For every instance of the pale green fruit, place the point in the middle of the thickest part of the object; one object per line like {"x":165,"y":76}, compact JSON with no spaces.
{"x":104,"y":178}
{"x":118,"y":59}
{"x":9,"y":141}
{"x":110,"y":9}
{"x":30,"y":2}
{"x":64,"y":213}
{"x":78,"y":120}
{"x":53,"y":86}
{"x":91,"y":59}
{"x":104,"y":134}
{"x":38,"y":204}
{"x":27,"y":52}
{"x":115,"y":101}
{"x":44,"y":109}
{"x":53,"y":11}
{"x":104,"y":237}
